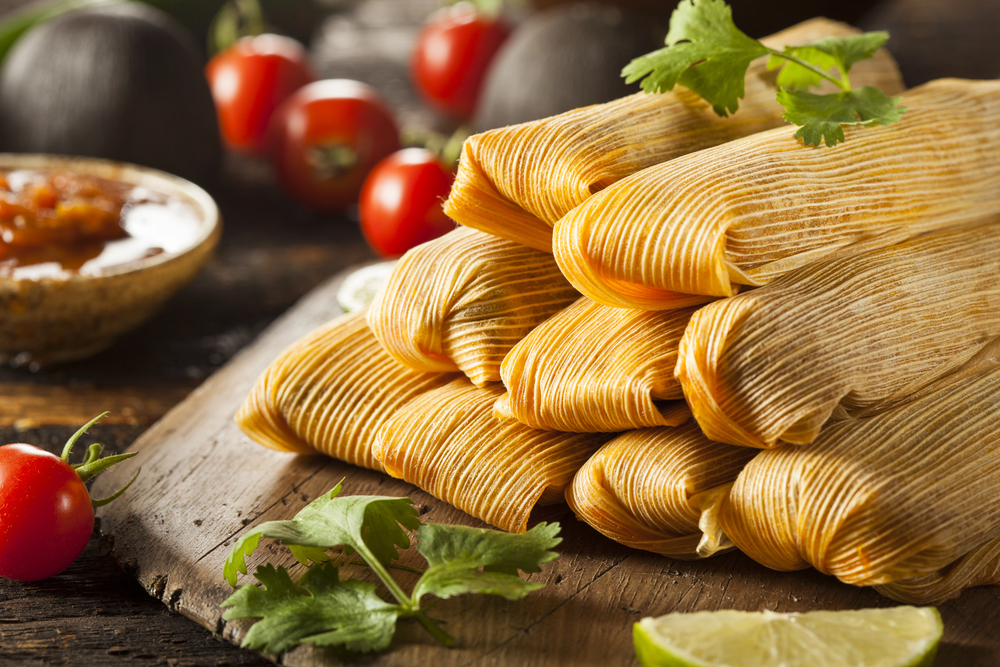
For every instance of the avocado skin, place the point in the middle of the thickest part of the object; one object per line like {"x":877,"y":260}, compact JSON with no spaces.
{"x":122,"y":82}
{"x":562,"y":59}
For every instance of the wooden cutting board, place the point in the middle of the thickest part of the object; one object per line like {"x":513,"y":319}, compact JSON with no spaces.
{"x":203,"y":483}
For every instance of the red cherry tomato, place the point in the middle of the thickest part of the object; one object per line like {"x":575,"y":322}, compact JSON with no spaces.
{"x":326,"y":138}
{"x":46,"y":515}
{"x":249,"y":80}
{"x":453,"y":51}
{"x":401,"y":202}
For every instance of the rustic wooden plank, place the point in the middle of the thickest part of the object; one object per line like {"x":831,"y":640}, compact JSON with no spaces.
{"x":91,"y":615}
{"x":204,"y":482}
{"x":67,"y":406}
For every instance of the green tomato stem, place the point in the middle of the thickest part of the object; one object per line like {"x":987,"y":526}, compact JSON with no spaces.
{"x":86,"y":471}
{"x":843,"y":84}
{"x":104,"y":501}
{"x":76,"y":436}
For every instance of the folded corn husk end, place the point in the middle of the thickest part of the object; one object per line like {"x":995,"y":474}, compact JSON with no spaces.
{"x":330,"y":391}
{"x":892,"y":500}
{"x":839,"y":336}
{"x":980,"y":567}
{"x":594,"y":368}
{"x":448,"y":443}
{"x":697,"y":358}
{"x":462,"y":301}
{"x":475,"y":203}
{"x":656,"y":489}
{"x":573,"y":246}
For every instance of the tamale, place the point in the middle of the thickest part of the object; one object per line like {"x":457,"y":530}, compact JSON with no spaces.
{"x":330,"y":392}
{"x":756,"y":208}
{"x":649,"y":488}
{"x":462,"y":301}
{"x":517,"y":181}
{"x":592,"y":368}
{"x":898,"y":496}
{"x":837,"y":337}
{"x":981,"y":567}
{"x":448,"y":443}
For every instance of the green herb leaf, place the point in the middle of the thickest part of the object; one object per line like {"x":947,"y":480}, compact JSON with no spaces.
{"x":794,"y":75}
{"x":821,"y":116}
{"x":846,"y":51}
{"x":705,"y":52}
{"x":475,"y":560}
{"x":370,"y":525}
{"x":321,"y":609}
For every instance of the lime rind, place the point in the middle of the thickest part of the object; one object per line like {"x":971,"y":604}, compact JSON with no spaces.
{"x":894,"y":637}
{"x":359,"y":288}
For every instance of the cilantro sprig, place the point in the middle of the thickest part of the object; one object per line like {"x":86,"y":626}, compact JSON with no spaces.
{"x":707,"y":53}
{"x":323,"y":609}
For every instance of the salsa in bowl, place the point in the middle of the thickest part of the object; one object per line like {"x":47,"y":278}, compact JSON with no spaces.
{"x":90,"y":249}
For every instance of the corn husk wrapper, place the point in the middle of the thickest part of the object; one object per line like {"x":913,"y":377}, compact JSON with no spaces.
{"x":462,"y":301}
{"x":895,"y":497}
{"x":448,"y":443}
{"x":330,"y":392}
{"x":838,"y":337}
{"x":757,"y":208}
{"x":649,"y":489}
{"x":981,"y":567}
{"x":592,"y":368}
{"x":517,"y":181}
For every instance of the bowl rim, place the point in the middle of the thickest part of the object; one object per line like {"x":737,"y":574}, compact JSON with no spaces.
{"x":210,"y":220}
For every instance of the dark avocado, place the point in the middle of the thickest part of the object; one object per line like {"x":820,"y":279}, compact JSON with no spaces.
{"x":564,"y":58}
{"x":123,"y":82}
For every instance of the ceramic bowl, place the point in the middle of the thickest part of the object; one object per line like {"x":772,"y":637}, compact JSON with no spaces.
{"x":46,"y":320}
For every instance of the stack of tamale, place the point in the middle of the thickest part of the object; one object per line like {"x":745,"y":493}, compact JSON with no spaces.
{"x":700,"y":334}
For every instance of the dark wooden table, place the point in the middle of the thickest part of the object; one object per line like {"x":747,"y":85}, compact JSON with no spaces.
{"x":272,"y":253}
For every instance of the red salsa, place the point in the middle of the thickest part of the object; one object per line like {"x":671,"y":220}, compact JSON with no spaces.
{"x":40,"y":209}
{"x":54,"y":223}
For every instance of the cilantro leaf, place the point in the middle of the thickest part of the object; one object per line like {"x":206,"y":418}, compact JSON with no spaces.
{"x":794,"y":75}
{"x":370,"y":525}
{"x":321,"y":609}
{"x":821,"y":116}
{"x":456,"y":554}
{"x":832,"y":52}
{"x":705,"y":52}
{"x":846,"y":51}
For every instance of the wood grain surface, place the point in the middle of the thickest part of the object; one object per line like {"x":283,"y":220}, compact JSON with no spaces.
{"x":206,"y":483}
{"x":273,"y":252}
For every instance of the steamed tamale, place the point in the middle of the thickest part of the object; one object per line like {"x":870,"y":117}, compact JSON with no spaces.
{"x":839,"y":336}
{"x":756,"y":208}
{"x":592,"y":368}
{"x":330,"y":392}
{"x":448,"y":443}
{"x":462,"y":301}
{"x":649,"y":488}
{"x":980,"y":567}
{"x":898,"y":496}
{"x":517,"y":181}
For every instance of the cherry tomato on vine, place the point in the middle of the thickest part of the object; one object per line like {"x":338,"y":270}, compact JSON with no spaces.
{"x":249,"y":80}
{"x":400,"y":204}
{"x":325,"y":139}
{"x":453,"y":51}
{"x":46,"y":513}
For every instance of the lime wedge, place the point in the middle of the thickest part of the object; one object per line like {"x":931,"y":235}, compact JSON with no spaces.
{"x":894,"y":637}
{"x":359,"y":288}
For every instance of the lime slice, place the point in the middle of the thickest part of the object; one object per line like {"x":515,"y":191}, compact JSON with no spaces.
{"x":894,"y":637}
{"x":359,"y":288}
